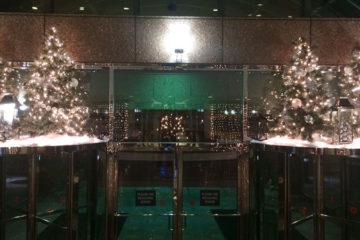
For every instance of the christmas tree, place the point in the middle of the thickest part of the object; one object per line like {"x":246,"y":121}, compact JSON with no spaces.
{"x":305,"y":104}
{"x":55,"y":95}
{"x":350,"y":82}
{"x":171,"y":127}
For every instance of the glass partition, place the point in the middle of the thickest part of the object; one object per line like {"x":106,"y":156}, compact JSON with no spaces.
{"x":13,"y":196}
{"x":183,"y":106}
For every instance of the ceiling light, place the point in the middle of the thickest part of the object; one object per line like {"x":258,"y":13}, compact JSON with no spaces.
{"x":250,"y":15}
{"x":215,"y":10}
{"x":81,"y":8}
{"x":259,"y":4}
{"x":34,"y":8}
{"x":289,"y":16}
{"x":258,"y":15}
{"x":126,"y":8}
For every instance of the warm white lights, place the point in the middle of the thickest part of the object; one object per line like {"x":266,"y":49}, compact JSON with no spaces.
{"x":8,"y":112}
{"x":126,"y":8}
{"x":34,"y":8}
{"x":82,"y":8}
{"x":179,"y":42}
{"x":215,"y":10}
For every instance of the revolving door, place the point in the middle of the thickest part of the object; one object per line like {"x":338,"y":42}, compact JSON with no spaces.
{"x":168,"y":191}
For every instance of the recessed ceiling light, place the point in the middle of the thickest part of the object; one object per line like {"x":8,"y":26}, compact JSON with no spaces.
{"x":215,"y":10}
{"x":250,"y":15}
{"x":259,"y":4}
{"x":34,"y":8}
{"x":289,"y":16}
{"x":81,"y":8}
{"x":126,"y":8}
{"x":258,"y":15}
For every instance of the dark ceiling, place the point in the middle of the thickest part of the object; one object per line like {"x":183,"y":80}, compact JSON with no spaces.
{"x":230,"y":8}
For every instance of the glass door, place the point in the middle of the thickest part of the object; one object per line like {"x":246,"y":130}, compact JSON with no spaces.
{"x":210,"y":202}
{"x":145,"y":192}
{"x":13,"y":196}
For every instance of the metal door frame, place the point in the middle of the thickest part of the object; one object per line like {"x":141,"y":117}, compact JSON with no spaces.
{"x":177,"y":216}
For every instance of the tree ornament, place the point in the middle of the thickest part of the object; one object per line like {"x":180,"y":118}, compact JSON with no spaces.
{"x":54,"y":95}
{"x":296,"y":103}
{"x":309,"y":119}
{"x":348,"y":70}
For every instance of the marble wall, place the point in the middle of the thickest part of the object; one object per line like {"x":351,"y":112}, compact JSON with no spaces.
{"x":142,"y":40}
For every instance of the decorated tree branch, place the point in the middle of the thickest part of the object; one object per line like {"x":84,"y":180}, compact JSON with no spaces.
{"x":55,"y":94}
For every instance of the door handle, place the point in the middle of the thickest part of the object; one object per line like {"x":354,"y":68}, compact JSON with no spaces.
{"x":170,"y":223}
{"x":184,"y":222}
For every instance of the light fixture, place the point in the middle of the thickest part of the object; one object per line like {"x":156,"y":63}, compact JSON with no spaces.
{"x":250,"y":15}
{"x":126,"y":8}
{"x":260,"y":5}
{"x":258,"y":15}
{"x":215,"y":10}
{"x":34,"y":8}
{"x":289,"y":16}
{"x":179,"y":42}
{"x":8,"y":109}
{"x":81,"y":8}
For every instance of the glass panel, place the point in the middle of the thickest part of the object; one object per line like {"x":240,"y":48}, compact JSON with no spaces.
{"x":302,"y":186}
{"x":16,"y":185}
{"x":52,"y":189}
{"x":210,"y":187}
{"x":333,"y":205}
{"x":85,"y":192}
{"x":260,"y":84}
{"x":15,"y":230}
{"x":146,"y":181}
{"x":332,"y":230}
{"x":100,"y":193}
{"x":271,"y":170}
{"x":145,"y":186}
{"x":215,"y":228}
{"x":98,"y":101}
{"x":134,"y":228}
{"x":46,"y":232}
{"x":354,"y":193}
{"x":178,"y":106}
{"x":303,"y":231}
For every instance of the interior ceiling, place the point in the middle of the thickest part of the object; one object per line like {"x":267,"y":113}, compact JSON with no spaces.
{"x":241,"y":8}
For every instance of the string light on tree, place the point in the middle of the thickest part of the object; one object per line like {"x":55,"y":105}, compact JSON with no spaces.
{"x":55,"y":93}
{"x":171,"y":127}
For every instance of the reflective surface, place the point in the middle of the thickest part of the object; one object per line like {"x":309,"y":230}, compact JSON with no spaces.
{"x":303,"y":195}
{"x":243,"y":8}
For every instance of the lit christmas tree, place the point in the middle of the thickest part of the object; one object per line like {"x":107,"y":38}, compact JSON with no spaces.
{"x":55,"y":95}
{"x":350,"y":82}
{"x":305,"y":104}
{"x":171,"y":127}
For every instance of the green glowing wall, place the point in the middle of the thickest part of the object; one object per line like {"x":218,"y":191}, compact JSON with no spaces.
{"x":177,"y":90}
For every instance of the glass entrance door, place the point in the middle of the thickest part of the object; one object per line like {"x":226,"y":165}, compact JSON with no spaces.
{"x":145,"y":192}
{"x":210,"y":203}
